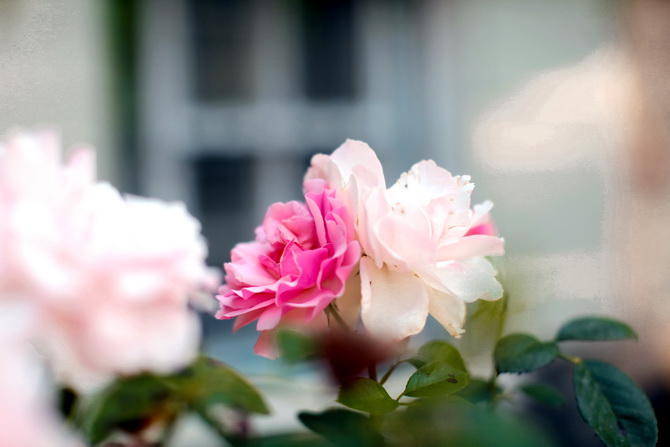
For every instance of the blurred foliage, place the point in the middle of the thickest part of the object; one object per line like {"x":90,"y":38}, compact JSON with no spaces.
{"x":440,"y":405}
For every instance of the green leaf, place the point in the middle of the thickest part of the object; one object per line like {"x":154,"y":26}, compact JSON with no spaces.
{"x":543,"y":394}
{"x":208,"y":382}
{"x":518,"y":353}
{"x":289,"y":440}
{"x":444,"y":352}
{"x":343,"y":427}
{"x":614,"y":406}
{"x":595,"y":328}
{"x":435,"y":378}
{"x":366,"y":395}
{"x":453,"y":422}
{"x":479,"y":390}
{"x":128,"y":404}
{"x":417,"y":361}
{"x":295,"y":346}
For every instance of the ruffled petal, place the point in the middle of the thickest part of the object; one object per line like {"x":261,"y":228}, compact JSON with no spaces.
{"x":469,"y":280}
{"x":472,"y":246}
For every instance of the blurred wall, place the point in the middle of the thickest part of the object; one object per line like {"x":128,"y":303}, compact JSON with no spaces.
{"x":54,"y":71}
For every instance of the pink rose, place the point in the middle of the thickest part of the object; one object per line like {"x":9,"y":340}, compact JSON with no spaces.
{"x":298,"y":264}
{"x":113,"y":279}
{"x":423,"y":246}
{"x":28,"y":416}
{"x":131,"y":269}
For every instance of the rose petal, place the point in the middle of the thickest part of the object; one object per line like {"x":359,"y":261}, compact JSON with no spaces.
{"x":265,"y":346}
{"x":448,"y":310}
{"x":469,"y":279}
{"x":394,"y":305}
{"x":472,"y":246}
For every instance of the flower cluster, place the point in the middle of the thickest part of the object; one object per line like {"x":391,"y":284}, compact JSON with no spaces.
{"x":110,"y":280}
{"x":418,"y":247}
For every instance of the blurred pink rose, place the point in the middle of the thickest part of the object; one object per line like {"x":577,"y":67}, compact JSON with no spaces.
{"x":299,"y":262}
{"x":28,"y":415}
{"x":113,"y":278}
{"x":423,"y":246}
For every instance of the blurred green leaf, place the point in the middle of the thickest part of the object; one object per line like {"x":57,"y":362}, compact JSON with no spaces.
{"x":543,"y":394}
{"x":295,"y":346}
{"x":614,"y":406}
{"x":289,"y":440}
{"x":595,"y":328}
{"x":417,"y":361}
{"x":479,"y":390}
{"x":343,"y":427}
{"x":129,"y":404}
{"x":435,"y":378}
{"x":455,"y":422}
{"x":366,"y":395}
{"x":444,"y":352}
{"x":518,"y":353}
{"x":208,"y":382}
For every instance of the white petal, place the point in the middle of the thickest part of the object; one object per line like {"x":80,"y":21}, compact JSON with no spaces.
{"x":394,"y":304}
{"x":349,"y":304}
{"x":471,"y":246}
{"x":469,"y":279}
{"x":448,"y":310}
{"x":358,"y":159}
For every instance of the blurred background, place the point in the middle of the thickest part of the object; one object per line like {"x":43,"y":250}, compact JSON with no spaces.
{"x":559,"y":110}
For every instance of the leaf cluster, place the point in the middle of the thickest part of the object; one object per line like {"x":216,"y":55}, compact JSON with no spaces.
{"x":136,"y":403}
{"x":442,"y":404}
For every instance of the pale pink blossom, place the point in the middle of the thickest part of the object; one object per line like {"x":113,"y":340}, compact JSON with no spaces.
{"x":28,"y":416}
{"x":299,"y":263}
{"x":424,"y":247}
{"x":113,"y":278}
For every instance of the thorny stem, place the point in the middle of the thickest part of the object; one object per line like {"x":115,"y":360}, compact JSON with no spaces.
{"x":331,"y":311}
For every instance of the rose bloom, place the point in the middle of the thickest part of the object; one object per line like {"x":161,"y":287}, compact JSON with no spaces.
{"x":299,"y":263}
{"x":423,"y":246}
{"x":113,"y":279}
{"x":28,"y":415}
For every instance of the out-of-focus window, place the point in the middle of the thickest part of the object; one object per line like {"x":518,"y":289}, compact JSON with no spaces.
{"x":224,"y":215}
{"x":222,"y":37}
{"x":327,"y":40}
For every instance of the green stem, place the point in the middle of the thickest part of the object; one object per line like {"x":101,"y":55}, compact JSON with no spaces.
{"x":500,"y":330}
{"x":503,"y":316}
{"x":390,"y":371}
